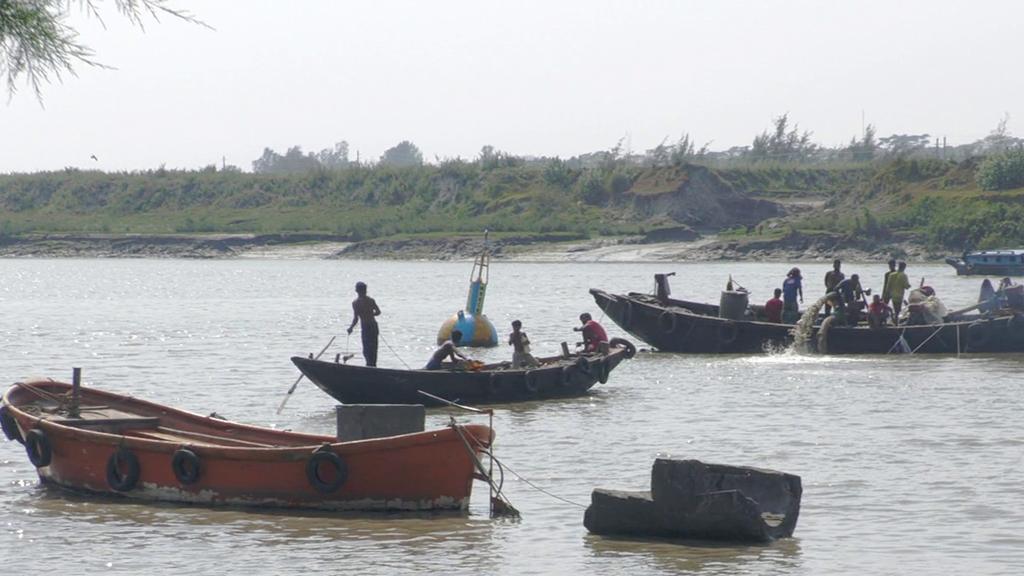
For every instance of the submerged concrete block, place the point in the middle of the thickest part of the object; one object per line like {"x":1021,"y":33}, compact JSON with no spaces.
{"x":691,"y":499}
{"x":363,"y":421}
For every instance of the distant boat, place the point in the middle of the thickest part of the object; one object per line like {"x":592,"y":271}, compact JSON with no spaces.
{"x":105,"y":443}
{"x":989,"y":263}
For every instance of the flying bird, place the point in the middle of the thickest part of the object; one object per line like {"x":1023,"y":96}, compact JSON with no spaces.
{"x":94,"y":158}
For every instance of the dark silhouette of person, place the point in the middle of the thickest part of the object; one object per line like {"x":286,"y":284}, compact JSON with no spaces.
{"x":365,"y":312}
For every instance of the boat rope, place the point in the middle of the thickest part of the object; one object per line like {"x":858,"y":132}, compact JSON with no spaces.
{"x":499,"y":503}
{"x":393,"y":352}
{"x":937,"y":330}
{"x":60,"y":399}
{"x":502,"y":466}
{"x":538,"y":488}
{"x":898,"y":340}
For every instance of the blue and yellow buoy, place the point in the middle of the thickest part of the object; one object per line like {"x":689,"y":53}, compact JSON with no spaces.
{"x":477,"y":330}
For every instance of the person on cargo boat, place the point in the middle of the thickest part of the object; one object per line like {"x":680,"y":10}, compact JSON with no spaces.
{"x":593,"y":333}
{"x":773,"y":307}
{"x":446,"y":350}
{"x":886,"y":291}
{"x":898,"y":284}
{"x":792,"y":286}
{"x":850,"y":290}
{"x":832,"y":279}
{"x":520,"y":344}
{"x":838,"y":313}
{"x":365,"y":312}
{"x":878,"y":312}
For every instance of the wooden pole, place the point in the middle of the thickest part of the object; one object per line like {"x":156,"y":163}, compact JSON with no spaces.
{"x":76,"y":386}
{"x":301,"y":376}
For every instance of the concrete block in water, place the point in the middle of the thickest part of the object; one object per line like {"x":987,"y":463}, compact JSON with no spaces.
{"x":363,"y":421}
{"x":691,"y":499}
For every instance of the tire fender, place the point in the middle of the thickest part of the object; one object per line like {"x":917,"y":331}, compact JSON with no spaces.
{"x":324,"y":457}
{"x":10,"y":425}
{"x":727,"y":333}
{"x":123,"y":481}
{"x":623,"y":343}
{"x":38,"y":448}
{"x":667,"y":322}
{"x":186,"y":466}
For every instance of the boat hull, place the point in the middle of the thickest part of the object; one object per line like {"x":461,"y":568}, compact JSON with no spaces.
{"x":364,"y":385}
{"x":689,"y":327}
{"x":985,"y":269}
{"x":675,"y":328}
{"x":241,"y":465}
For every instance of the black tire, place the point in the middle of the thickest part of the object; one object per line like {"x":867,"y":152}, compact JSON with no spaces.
{"x":567,"y":372}
{"x":667,"y":322}
{"x":583,"y":366}
{"x":602,"y":371}
{"x":623,"y":343}
{"x":186,"y":466}
{"x":530,"y":383}
{"x":327,"y":458}
{"x":38,"y":448}
{"x":979,"y":334}
{"x":493,"y":385}
{"x":728,"y":332}
{"x":10,"y":425}
{"x":627,"y":313}
{"x":123,"y":482}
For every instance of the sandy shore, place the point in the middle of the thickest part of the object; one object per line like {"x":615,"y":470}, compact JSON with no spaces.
{"x":793,"y":248}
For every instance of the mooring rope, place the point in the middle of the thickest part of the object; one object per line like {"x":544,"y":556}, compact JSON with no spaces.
{"x":539,"y":489}
{"x":927,"y":339}
{"x":393,"y":351}
{"x":898,"y":340}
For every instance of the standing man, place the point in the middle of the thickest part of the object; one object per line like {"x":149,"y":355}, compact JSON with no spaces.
{"x":365,"y":311}
{"x":886,"y":295}
{"x":898,"y":284}
{"x":832,"y":279}
{"x":792,"y":287}
{"x":593,"y":333}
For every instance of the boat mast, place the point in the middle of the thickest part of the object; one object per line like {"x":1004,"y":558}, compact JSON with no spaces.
{"x":478,"y":280}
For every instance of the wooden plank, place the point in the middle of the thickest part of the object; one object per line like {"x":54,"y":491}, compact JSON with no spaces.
{"x":112,"y":423}
{"x":214,"y":439}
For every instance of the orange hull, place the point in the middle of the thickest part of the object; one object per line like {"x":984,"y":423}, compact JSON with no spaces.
{"x":233,"y":463}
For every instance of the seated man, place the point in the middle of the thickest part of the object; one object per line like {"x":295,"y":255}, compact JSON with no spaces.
{"x":773,"y":308}
{"x":837,"y":311}
{"x":593,"y":334}
{"x":446,"y":350}
{"x":878,"y":312}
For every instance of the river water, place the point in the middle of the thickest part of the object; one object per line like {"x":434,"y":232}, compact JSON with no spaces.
{"x":910,"y":464}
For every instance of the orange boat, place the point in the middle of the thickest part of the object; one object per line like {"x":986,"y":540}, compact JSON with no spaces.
{"x":100,"y":442}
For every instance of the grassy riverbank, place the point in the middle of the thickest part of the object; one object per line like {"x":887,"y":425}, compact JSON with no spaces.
{"x":934,"y":204}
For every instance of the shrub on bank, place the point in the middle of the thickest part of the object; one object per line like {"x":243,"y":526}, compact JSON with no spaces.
{"x":1002,"y":171}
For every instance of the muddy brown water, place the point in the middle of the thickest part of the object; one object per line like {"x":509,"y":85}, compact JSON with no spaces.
{"x":910,"y":464}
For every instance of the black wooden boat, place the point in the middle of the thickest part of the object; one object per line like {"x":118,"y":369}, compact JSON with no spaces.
{"x":976,"y":334}
{"x":680,"y":326}
{"x":558,"y":376}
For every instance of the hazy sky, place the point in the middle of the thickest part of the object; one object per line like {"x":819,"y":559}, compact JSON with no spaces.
{"x":529,"y":77}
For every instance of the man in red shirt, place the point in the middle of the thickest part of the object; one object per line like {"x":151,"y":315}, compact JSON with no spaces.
{"x":593,"y":333}
{"x":773,"y":308}
{"x":878,"y":312}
